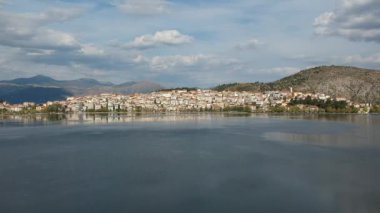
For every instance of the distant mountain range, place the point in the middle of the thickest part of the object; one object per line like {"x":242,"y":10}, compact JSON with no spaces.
{"x":356,"y":84}
{"x":40,"y":89}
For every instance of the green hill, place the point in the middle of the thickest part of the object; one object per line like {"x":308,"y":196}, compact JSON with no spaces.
{"x":357,"y":84}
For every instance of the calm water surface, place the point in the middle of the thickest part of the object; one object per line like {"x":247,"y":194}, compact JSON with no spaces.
{"x":205,"y":163}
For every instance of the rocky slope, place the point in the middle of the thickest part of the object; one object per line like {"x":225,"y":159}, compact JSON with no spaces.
{"x":357,"y":84}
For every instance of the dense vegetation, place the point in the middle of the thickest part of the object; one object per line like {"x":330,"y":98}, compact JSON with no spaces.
{"x":55,"y":108}
{"x":375,"y":109}
{"x":246,"y":109}
{"x":328,"y":106}
{"x":257,"y":86}
{"x":320,"y":103}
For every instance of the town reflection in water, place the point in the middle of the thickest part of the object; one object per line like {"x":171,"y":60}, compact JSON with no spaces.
{"x":105,"y":118}
{"x":108,"y":118}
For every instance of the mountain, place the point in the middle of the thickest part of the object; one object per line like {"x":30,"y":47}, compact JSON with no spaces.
{"x":357,"y":84}
{"x":125,"y":88}
{"x":38,"y":79}
{"x":19,"y":93}
{"x":40,"y":89}
{"x":41,"y":80}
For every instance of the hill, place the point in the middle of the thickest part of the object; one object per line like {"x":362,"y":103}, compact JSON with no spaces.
{"x":19,"y":93}
{"x":357,"y":84}
{"x":40,"y":89}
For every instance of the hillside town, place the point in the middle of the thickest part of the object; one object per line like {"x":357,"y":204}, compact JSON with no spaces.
{"x":184,"y":101}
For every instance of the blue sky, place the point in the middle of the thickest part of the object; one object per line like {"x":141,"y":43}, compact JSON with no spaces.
{"x":183,"y":42}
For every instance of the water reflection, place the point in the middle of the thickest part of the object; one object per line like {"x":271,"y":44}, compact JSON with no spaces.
{"x":210,"y":163}
{"x":345,"y":118}
{"x":356,"y":138}
{"x":352,"y":130}
{"x":90,"y":118}
{"x":107,"y":118}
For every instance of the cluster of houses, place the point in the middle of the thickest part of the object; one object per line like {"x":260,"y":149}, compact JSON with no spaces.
{"x":172,"y":101}
{"x":4,"y":106}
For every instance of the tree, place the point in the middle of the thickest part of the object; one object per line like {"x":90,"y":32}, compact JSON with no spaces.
{"x":55,"y":108}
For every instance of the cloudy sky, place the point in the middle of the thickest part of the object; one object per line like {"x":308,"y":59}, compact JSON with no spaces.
{"x":185,"y":42}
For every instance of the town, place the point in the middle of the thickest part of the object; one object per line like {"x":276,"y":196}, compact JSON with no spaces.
{"x":195,"y":101}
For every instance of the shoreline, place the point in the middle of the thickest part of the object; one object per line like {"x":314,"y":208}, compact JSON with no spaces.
{"x":43,"y":119}
{"x":189,"y":112}
{"x":62,"y":116}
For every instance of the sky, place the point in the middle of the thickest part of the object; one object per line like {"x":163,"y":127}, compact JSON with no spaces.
{"x":199,"y":43}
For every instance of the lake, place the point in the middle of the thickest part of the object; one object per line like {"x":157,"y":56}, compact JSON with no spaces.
{"x":201,"y":163}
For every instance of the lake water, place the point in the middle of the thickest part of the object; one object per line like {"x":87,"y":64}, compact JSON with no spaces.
{"x":206,"y":163}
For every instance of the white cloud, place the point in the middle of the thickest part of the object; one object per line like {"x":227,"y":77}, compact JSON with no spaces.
{"x":357,"y":4}
{"x":38,"y":39}
{"x":52,"y":38}
{"x":159,"y":63}
{"x":91,"y":50}
{"x":142,"y":7}
{"x":322,"y":23}
{"x":274,"y":71}
{"x":168,"y":37}
{"x":49,"y":39}
{"x":250,"y":44}
{"x":372,"y":59}
{"x":140,"y":59}
{"x":284,"y":70}
{"x":357,"y":20}
{"x":37,"y":52}
{"x":60,"y":15}
{"x":27,"y":30}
